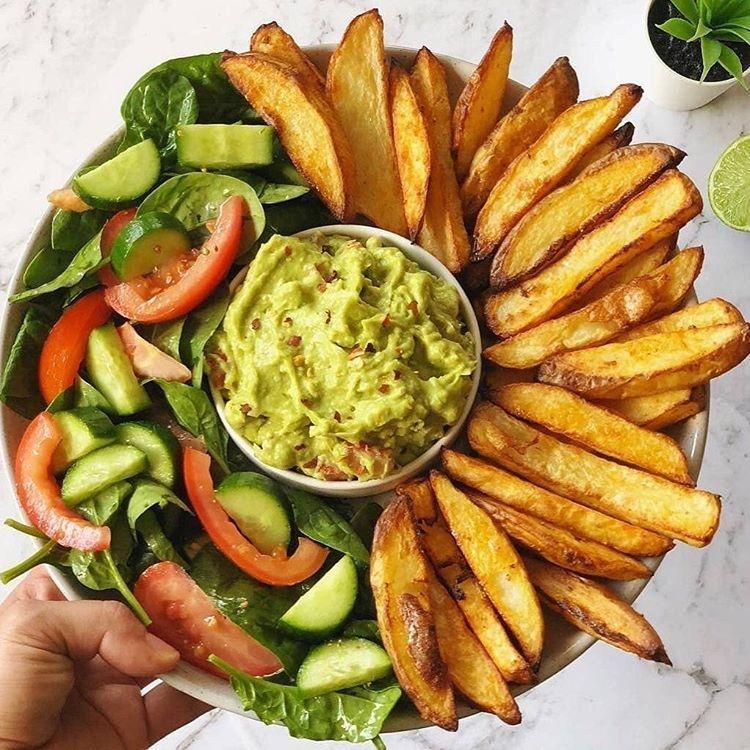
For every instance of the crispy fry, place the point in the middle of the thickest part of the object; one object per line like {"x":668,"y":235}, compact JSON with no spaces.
{"x":677,"y":414}
{"x":621,"y":137}
{"x":478,"y":106}
{"x":594,"y":428}
{"x":549,"y":97}
{"x":643,"y":410}
{"x":597,"y":610}
{"x":357,"y":86}
{"x":495,"y":563}
{"x":655,"y":213}
{"x":399,"y":575}
{"x":545,"y":164}
{"x":443,"y":232}
{"x":650,"y":364}
{"x":305,"y":123}
{"x":629,"y":494}
{"x":575,"y":208}
{"x":412,"y":148}
{"x":605,"y":319}
{"x":455,"y":573}
{"x":559,"y":511}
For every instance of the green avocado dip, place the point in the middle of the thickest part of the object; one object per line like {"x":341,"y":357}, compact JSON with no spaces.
{"x":341,"y":359}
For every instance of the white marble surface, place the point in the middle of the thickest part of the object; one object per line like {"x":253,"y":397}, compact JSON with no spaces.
{"x":64,"y":67}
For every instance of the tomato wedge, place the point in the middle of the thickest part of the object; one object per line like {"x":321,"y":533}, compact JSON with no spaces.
{"x":111,"y":229}
{"x":40,"y":495}
{"x":184,"y":616}
{"x":271,"y":569}
{"x":169,"y":293}
{"x":65,"y":346}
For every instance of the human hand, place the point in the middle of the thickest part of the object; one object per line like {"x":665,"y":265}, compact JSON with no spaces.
{"x":71,"y":674}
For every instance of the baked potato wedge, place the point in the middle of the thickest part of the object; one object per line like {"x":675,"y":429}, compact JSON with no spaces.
{"x":654,"y":214}
{"x":644,"y":410}
{"x":632,"y":495}
{"x":575,"y":208}
{"x":495,"y":563}
{"x":479,"y":103}
{"x":547,"y":163}
{"x":596,"y":610}
{"x":357,"y":86}
{"x":400,"y":580}
{"x":680,"y":413}
{"x":623,"y":136}
{"x":581,"y":521}
{"x":537,"y":109}
{"x":305,"y":123}
{"x":604,"y":319}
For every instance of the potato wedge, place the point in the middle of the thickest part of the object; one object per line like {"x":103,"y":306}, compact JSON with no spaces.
{"x":400,"y":579}
{"x":575,"y":208}
{"x":619,"y":138}
{"x":545,"y":164}
{"x":650,"y":364}
{"x":644,"y":410}
{"x":581,"y":521}
{"x":559,"y":546}
{"x":597,"y":610}
{"x":443,"y":232}
{"x":495,"y":563}
{"x":455,"y":573}
{"x":306,"y":125}
{"x":604,"y":319}
{"x":654,"y":214}
{"x":677,"y":414}
{"x":594,"y":428}
{"x":412,"y":148}
{"x":549,"y":97}
{"x":270,"y":39}
{"x":478,"y":106}
{"x":632,"y":495}
{"x":357,"y":86}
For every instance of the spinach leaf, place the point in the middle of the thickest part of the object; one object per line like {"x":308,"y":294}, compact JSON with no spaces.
{"x":19,"y":388}
{"x":274,"y":193}
{"x":71,"y":230}
{"x":42,"y":555}
{"x":88,"y":282}
{"x":363,"y":629}
{"x":87,"y":395}
{"x":148,"y":495}
{"x":291,"y":218}
{"x":314,"y":518}
{"x":102,"y":507}
{"x":355,"y":716}
{"x":283,"y":171}
{"x":156,"y":540}
{"x":194,"y":411}
{"x":364,"y":520}
{"x":200,"y":325}
{"x":62,"y":402}
{"x":167,"y":337}
{"x":45,"y":266}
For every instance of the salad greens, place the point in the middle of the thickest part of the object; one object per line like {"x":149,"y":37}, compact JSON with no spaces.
{"x":71,"y":231}
{"x":199,"y":326}
{"x":46,"y":265}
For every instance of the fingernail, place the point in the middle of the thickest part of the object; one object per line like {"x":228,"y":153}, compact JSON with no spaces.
{"x":161,"y":649}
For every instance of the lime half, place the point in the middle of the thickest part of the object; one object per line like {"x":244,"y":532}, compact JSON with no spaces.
{"x":729,"y":185}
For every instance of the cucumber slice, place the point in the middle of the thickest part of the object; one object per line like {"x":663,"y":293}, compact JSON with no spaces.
{"x":122,"y":179}
{"x":83,"y":430}
{"x":99,"y":469}
{"x":323,"y":609}
{"x":159,"y":445}
{"x":147,"y":242}
{"x":341,"y":664}
{"x":111,"y":372}
{"x":259,"y":509}
{"x":87,"y":395}
{"x":224,"y":146}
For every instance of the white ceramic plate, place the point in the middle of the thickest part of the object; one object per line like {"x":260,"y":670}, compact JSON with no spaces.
{"x":563,"y":644}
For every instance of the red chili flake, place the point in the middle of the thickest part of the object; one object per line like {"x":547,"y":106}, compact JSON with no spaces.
{"x":255,"y":325}
{"x":337,"y":416}
{"x":414,"y":307}
{"x":294,"y":340}
{"x":246,"y":408}
{"x":322,"y":286}
{"x":311,"y":464}
{"x":306,"y":402}
{"x":328,"y":317}
{"x":397,"y":374}
{"x":386,"y":321}
{"x":298,"y":360}
{"x":299,"y":447}
{"x":384,"y":388}
{"x":287,"y":251}
{"x":355,"y":353}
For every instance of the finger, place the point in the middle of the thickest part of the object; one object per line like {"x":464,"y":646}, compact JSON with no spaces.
{"x":168,"y":709}
{"x":36,"y":585}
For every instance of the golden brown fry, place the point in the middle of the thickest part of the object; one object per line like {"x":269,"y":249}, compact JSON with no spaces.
{"x":650,"y":364}
{"x":412,"y":148}
{"x":644,"y":410}
{"x":357,"y":86}
{"x":545,"y":164}
{"x":575,"y":208}
{"x":654,"y":214}
{"x":604,"y":319}
{"x":478,"y":106}
{"x":443,"y":232}
{"x":677,"y":413}
{"x":455,"y":573}
{"x":594,"y":428}
{"x":597,"y":610}
{"x":635,"y":496}
{"x":399,"y":575}
{"x":495,"y":563}
{"x":559,"y":511}
{"x":621,"y":137}
{"x":305,"y":123}
{"x":549,"y":97}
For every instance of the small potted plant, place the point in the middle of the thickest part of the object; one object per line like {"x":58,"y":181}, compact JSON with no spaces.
{"x":698,"y":50}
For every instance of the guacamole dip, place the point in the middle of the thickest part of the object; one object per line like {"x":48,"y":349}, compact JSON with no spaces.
{"x":341,"y":359}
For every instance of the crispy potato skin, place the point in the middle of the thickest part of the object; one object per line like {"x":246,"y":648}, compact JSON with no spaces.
{"x":676,"y":414}
{"x":549,"y":97}
{"x":478,"y":106}
{"x":596,"y":610}
{"x":644,"y":410}
{"x":619,"y":138}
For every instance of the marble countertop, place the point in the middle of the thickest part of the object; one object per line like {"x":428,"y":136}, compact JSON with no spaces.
{"x":64,"y":67}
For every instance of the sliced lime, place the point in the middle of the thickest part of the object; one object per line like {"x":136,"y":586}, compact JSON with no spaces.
{"x":729,"y":185}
